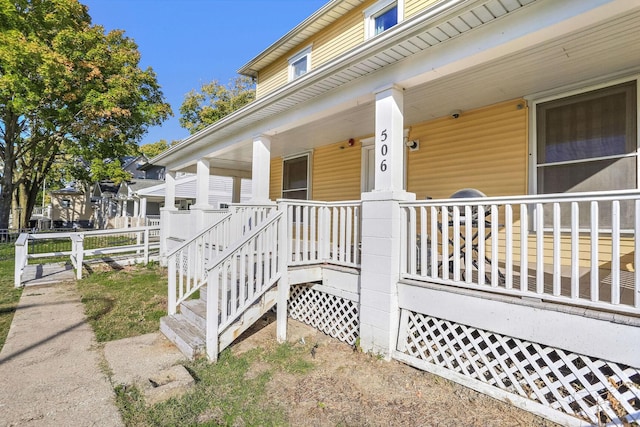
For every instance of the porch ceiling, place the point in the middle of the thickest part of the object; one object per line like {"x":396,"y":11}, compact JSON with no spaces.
{"x":442,"y":67}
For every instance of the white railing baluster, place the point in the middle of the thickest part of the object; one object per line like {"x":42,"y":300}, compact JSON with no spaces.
{"x":456,"y":243}
{"x":305,"y":233}
{"x":556,"y":250}
{"x":595,"y":236}
{"x":334,"y":234}
{"x":508,"y":246}
{"x":412,"y":249}
{"x":445,"y":241}
{"x":404,"y":224}
{"x":313,"y":224}
{"x":482,"y":245}
{"x":575,"y":251}
{"x":615,"y":252}
{"x":468,"y":244}
{"x":356,"y":235}
{"x":348,"y":244}
{"x":495,"y":243}
{"x":539,"y":248}
{"x":342,"y":233}
{"x":524,"y":247}
{"x":424,"y":238}
{"x":434,"y":241}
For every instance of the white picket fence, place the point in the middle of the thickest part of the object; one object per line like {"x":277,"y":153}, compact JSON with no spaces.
{"x":139,"y":242}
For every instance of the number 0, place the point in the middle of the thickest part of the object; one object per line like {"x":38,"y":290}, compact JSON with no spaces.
{"x":384,"y":149}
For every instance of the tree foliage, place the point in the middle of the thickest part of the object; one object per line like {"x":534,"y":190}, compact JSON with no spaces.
{"x":215,"y":101}
{"x":68,"y":90}
{"x":154,"y":148}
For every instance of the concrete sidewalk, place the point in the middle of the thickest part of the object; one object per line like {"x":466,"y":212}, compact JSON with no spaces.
{"x":50,"y":366}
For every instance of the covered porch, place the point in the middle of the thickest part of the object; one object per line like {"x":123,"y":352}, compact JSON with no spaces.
{"x":529,"y":295}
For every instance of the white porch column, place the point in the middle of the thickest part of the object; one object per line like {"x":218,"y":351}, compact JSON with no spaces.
{"x":380,"y":268}
{"x":165,"y":214}
{"x":136,"y":208}
{"x":170,"y":190}
{"x":202,"y":184}
{"x":260,"y":169}
{"x":389,"y":140}
{"x":143,"y":207}
{"x":235,"y":192}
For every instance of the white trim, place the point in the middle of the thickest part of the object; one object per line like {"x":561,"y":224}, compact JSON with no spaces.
{"x":306,"y":52}
{"x":568,"y":91}
{"x":377,"y":9}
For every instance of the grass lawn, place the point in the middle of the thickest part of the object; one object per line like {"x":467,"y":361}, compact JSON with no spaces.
{"x":130,"y":302}
{"x":125,"y":303}
{"x":9,"y":296}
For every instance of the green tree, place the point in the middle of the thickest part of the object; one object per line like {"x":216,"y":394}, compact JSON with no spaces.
{"x":215,"y":101}
{"x":154,"y":148}
{"x":68,"y":90}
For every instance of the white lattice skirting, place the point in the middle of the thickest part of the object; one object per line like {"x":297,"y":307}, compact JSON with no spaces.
{"x":591,"y":389}
{"x":335,"y":316}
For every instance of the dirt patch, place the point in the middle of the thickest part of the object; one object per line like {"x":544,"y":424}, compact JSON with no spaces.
{"x":350,"y":388}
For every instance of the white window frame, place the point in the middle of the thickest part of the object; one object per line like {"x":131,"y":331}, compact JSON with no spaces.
{"x":375,"y":10}
{"x":306,"y":52}
{"x":566,"y":92}
{"x":309,"y":156}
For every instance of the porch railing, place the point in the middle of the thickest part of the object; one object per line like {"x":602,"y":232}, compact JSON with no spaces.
{"x":581,"y":249}
{"x":241,"y":275}
{"x":322,"y":232}
{"x":188,"y":262}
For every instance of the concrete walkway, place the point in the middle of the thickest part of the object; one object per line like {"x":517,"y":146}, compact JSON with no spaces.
{"x":50,"y":366}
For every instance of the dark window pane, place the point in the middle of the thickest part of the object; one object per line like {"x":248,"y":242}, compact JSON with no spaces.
{"x":595,"y":124}
{"x":386,"y":20}
{"x":295,"y":174}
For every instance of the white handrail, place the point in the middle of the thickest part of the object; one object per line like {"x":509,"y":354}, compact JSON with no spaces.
{"x":21,"y":249}
{"x":240,"y":276}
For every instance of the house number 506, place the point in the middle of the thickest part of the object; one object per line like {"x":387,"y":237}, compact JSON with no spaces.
{"x":384,"y":149}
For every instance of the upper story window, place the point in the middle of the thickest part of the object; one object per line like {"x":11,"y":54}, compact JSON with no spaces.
{"x":381,"y":16}
{"x":300,"y":64}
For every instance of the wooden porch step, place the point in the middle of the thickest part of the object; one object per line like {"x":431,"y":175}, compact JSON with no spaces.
{"x":195,"y":311}
{"x":184,"y":334}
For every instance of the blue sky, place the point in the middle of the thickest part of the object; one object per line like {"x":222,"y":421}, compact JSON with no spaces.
{"x":190,"y":42}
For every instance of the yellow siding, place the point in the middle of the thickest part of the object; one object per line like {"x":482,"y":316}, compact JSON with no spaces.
{"x":344,"y":35}
{"x":275,"y":179}
{"x":484,"y":149}
{"x":272,"y":77}
{"x":336,"y":172}
{"x":413,"y":7}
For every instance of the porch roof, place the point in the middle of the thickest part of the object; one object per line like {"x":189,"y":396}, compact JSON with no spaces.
{"x":461,"y":56}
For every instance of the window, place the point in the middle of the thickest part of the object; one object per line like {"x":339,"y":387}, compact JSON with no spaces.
{"x":381,"y":16}
{"x":587,"y":142}
{"x":65,"y":203}
{"x":300,"y":64}
{"x":295,"y":178}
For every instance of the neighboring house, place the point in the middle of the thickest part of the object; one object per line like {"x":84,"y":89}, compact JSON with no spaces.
{"x":223,"y":191}
{"x":71,"y":208}
{"x":133,"y":164}
{"x":103,"y":197}
{"x":152,"y":171}
{"x":369,"y":116}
